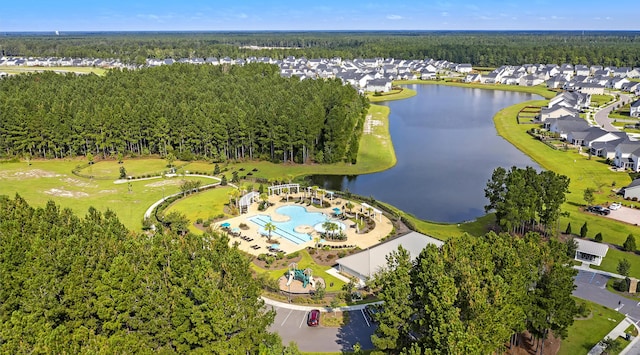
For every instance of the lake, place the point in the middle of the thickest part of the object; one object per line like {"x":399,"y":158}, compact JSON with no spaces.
{"x":447,"y":147}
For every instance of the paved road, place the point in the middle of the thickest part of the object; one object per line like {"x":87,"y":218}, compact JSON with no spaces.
{"x":292,"y":326}
{"x":592,"y":286}
{"x":602,"y":116}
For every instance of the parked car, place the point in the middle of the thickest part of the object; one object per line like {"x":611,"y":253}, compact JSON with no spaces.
{"x":615,"y":206}
{"x":599,"y":210}
{"x":314,"y":318}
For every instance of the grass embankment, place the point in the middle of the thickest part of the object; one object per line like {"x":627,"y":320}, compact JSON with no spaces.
{"x":395,"y":94}
{"x":18,"y":70}
{"x":204,"y":205}
{"x":584,"y":334}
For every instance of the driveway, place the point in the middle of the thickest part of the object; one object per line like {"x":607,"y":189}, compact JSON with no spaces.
{"x":291,"y":325}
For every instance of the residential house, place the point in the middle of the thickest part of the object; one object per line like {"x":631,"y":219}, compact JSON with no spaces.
{"x":590,"y":88}
{"x":590,"y":252}
{"x":565,"y":125}
{"x":634,"y":73}
{"x":464,"y":68}
{"x":557,"y":112}
{"x":473,"y":78}
{"x":530,"y":80}
{"x":634,"y":109}
{"x":582,"y":70}
{"x":631,"y":191}
{"x":617,"y":82}
{"x":627,"y":155}
{"x":427,"y":75}
{"x":378,"y":85}
{"x":606,"y":149}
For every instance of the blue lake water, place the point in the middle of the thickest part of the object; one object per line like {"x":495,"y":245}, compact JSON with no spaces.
{"x":447,"y":147}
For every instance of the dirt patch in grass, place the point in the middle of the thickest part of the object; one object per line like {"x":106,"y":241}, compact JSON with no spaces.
{"x":276,"y":264}
{"x":527,"y":345}
{"x":329,"y":257}
{"x":107,"y":191}
{"x":77,"y":183}
{"x":28,"y":174}
{"x":164,"y":183}
{"x":66,"y":193}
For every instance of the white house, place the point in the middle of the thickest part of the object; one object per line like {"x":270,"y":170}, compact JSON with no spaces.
{"x":378,"y":85}
{"x":464,"y":68}
{"x":632,"y":190}
{"x":627,"y":156}
{"x":590,"y":252}
{"x":556,"y":112}
{"x":634,"y":109}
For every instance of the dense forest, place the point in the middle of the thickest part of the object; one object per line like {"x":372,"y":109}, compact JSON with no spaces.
{"x":71,"y":285}
{"x":480,"y":48}
{"x":190,"y":111}
{"x":474,"y":295}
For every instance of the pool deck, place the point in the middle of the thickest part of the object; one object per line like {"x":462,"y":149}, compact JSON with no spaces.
{"x":381,"y":230}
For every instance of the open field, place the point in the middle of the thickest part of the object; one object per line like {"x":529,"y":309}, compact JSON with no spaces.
{"x":18,"y":70}
{"x":584,"y":334}
{"x":205,"y":205}
{"x":52,"y":180}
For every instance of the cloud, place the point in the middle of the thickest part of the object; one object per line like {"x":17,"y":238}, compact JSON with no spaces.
{"x":149,"y":16}
{"x":243,"y":16}
{"x":394,"y":17}
{"x":554,"y":17}
{"x":444,"y":14}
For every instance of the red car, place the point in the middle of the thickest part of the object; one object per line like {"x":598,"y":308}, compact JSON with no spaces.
{"x":314,"y":318}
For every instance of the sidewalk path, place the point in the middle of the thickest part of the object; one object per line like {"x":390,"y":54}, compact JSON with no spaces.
{"x":297,"y":307}
{"x":614,"y":334}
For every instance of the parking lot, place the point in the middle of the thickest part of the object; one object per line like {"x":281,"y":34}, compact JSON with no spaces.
{"x":626,"y":214}
{"x":292,"y":326}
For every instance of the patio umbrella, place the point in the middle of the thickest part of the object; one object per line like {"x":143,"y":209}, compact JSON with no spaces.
{"x":225,"y":225}
{"x":235,"y":230}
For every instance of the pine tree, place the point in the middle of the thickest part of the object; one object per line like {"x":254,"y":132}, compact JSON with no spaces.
{"x":630,"y":243}
{"x":583,"y":230}
{"x":568,"y":231}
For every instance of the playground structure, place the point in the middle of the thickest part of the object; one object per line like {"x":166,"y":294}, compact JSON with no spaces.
{"x":305,"y":276}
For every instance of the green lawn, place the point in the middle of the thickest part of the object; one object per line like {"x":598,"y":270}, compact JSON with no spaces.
{"x":52,"y":180}
{"x":135,"y":167}
{"x":584,"y":334}
{"x":614,"y":255}
{"x":599,"y":100}
{"x":205,"y":205}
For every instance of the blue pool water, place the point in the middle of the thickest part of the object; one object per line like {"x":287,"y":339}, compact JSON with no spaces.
{"x":298,"y":215}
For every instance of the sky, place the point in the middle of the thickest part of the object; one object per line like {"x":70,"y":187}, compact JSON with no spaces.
{"x":255,"y":15}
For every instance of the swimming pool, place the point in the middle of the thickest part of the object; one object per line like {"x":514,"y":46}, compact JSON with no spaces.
{"x":298,"y":216}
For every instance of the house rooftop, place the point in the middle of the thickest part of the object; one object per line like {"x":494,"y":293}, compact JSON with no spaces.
{"x":592,"y":248}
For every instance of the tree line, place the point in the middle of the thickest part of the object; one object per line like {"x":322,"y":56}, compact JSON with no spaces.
{"x":71,"y":285}
{"x":480,"y":48}
{"x":190,"y":111}
{"x":524,"y":199}
{"x":475,"y":295}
